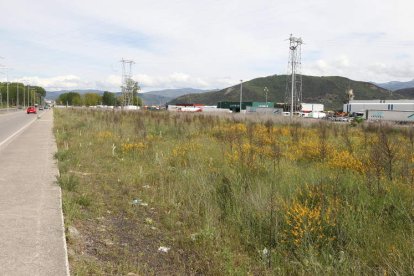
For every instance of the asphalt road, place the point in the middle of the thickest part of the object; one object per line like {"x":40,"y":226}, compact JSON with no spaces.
{"x":32,"y":240}
{"x":11,"y":122}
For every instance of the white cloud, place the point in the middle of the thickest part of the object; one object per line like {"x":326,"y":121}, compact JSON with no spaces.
{"x":113,"y":82}
{"x":180,"y":80}
{"x":193,"y":43}
{"x":396,"y":71}
{"x":55,"y":83}
{"x":337,"y":66}
{"x":343,"y":61}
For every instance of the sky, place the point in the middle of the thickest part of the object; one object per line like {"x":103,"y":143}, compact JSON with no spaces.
{"x":210,"y":44}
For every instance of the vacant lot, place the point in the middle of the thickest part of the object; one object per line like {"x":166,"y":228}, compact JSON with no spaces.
{"x":161,"y":193}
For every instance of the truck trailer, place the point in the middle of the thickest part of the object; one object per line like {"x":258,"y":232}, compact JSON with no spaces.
{"x":390,"y":115}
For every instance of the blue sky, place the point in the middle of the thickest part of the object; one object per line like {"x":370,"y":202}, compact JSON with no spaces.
{"x":201,"y":44}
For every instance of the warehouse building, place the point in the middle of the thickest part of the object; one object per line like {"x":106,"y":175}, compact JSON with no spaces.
{"x":235,"y":106}
{"x":361,"y":106}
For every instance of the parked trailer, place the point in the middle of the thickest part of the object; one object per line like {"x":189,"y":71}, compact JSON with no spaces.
{"x":390,"y":115}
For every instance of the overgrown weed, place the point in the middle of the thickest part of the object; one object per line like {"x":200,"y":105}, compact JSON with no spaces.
{"x":234,"y":196}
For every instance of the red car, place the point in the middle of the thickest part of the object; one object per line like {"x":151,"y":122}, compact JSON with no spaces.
{"x":31,"y":109}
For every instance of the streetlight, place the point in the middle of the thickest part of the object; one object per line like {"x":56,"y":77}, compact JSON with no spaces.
{"x":17,"y":95}
{"x":241,"y":94}
{"x":7,"y":95}
{"x":24,"y":97}
{"x":7,"y":82}
{"x":33,"y":95}
{"x":1,"y":99}
{"x":7,"y":85}
{"x":266,"y":90}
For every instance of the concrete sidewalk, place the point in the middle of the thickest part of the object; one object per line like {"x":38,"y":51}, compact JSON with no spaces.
{"x":32,"y":240}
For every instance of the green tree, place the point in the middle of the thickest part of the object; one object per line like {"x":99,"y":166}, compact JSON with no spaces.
{"x":137,"y":101}
{"x":90,"y":99}
{"x":131,"y":88}
{"x":135,"y":90}
{"x":19,"y":92}
{"x":70,"y":98}
{"x":109,"y":98}
{"x":39,"y":90}
{"x":120,"y":100}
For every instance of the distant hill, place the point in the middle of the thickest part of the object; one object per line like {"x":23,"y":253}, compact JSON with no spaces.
{"x":407,"y":93}
{"x":330,"y":91}
{"x":161,"y":97}
{"x":174,"y":93}
{"x":53,"y":95}
{"x":396,"y":85}
{"x":151,"y":99}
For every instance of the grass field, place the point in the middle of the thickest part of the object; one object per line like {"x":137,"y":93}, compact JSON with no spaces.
{"x":229,"y":196}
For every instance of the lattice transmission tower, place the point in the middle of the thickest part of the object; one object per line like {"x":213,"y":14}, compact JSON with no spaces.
{"x":293,"y":95}
{"x":126,"y":87}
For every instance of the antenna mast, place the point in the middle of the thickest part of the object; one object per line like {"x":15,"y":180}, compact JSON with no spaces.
{"x":293,"y":96}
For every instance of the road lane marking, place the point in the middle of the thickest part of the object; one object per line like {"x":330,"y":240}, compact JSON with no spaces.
{"x":17,"y":132}
{"x":21,"y":129}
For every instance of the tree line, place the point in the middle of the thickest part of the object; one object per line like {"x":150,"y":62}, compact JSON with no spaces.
{"x":92,"y":99}
{"x":19,"y":94}
{"x":15,"y":94}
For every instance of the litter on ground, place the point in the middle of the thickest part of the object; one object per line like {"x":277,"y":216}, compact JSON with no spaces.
{"x":163,"y":249}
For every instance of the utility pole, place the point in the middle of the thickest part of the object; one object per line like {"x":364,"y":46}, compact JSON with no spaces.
{"x":266,"y":90}
{"x":241,"y":95}
{"x":293,"y":91}
{"x":17,"y":95}
{"x":34,"y":96}
{"x":7,"y":85}
{"x":28,"y":95}
{"x":7,"y":95}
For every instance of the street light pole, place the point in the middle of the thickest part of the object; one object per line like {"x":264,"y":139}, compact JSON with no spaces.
{"x":266,"y":90}
{"x":7,"y":95}
{"x":24,"y":97}
{"x":293,"y":88}
{"x":34,"y":96}
{"x":17,"y":95}
{"x":28,"y":95}
{"x":7,"y":86}
{"x":241,"y":94}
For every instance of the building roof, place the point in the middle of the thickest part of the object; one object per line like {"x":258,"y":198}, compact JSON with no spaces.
{"x":381,"y":101}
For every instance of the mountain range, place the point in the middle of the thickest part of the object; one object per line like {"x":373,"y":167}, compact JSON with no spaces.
{"x":53,"y":95}
{"x":159,"y":97}
{"x":330,"y":91}
{"x":396,"y":85}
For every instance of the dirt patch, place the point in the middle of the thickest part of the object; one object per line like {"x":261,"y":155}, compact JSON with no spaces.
{"x":140,"y":242}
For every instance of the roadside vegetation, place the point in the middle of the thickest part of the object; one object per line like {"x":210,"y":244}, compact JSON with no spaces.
{"x":107,"y":98}
{"x":172,"y":194}
{"x":94,"y":99}
{"x":19,"y":94}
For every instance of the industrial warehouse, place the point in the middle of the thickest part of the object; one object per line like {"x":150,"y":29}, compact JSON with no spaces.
{"x":382,"y":110}
{"x":307,"y":110}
